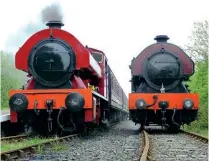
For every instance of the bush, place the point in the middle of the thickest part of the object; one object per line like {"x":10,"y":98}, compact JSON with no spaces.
{"x":198,"y":49}
{"x":199,"y":84}
{"x":11,"y":78}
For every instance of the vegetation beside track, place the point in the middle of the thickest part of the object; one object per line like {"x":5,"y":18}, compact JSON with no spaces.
{"x":11,"y":78}
{"x":6,"y":146}
{"x":198,"y":50}
{"x":203,"y":132}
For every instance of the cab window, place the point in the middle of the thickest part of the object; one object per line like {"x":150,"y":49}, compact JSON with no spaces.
{"x":97,"y":57}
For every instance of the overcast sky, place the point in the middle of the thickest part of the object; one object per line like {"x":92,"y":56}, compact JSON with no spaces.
{"x":120,"y":28}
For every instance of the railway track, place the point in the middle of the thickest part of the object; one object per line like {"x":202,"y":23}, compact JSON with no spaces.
{"x":145,"y":150}
{"x":28,"y":150}
{"x":159,"y":146}
{"x":16,"y":138}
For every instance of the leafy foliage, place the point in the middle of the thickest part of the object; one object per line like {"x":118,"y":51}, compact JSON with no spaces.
{"x":198,"y":45}
{"x":11,"y":78}
{"x":198,"y":50}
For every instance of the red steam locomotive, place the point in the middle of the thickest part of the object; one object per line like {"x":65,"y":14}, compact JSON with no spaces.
{"x":159,"y":95}
{"x":70,"y":87}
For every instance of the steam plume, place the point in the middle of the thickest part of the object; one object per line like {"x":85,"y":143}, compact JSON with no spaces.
{"x":52,"y":12}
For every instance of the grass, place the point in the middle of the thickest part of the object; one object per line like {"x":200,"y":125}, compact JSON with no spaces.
{"x":202,"y":132}
{"x":59,"y":146}
{"x":56,"y":146}
{"x":6,"y":146}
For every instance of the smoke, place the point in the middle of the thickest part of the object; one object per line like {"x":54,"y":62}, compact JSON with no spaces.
{"x":52,"y":12}
{"x":15,"y":40}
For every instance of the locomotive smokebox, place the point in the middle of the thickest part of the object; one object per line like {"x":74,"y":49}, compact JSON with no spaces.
{"x":55,"y":24}
{"x":161,"y":38}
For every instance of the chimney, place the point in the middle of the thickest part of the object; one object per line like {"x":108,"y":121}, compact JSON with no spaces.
{"x":55,"y":24}
{"x":161,"y":38}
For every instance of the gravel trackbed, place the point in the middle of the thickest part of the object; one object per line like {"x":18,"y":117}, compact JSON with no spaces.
{"x":119,"y":143}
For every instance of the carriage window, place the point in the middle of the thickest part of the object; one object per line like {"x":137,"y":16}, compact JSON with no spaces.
{"x":97,"y":57}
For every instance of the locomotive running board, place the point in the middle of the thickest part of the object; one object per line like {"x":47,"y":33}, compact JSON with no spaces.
{"x":99,"y":95}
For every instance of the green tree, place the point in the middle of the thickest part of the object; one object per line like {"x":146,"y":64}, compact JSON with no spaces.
{"x":198,"y":45}
{"x":11,"y":78}
{"x":198,"y":50}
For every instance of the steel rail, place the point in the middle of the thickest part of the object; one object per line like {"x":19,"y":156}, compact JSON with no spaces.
{"x":146,"y":143}
{"x":146,"y":147}
{"x":195,"y":136}
{"x":21,"y":152}
{"x":14,"y":138}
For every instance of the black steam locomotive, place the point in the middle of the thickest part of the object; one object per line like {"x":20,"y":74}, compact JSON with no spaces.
{"x":159,"y":95}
